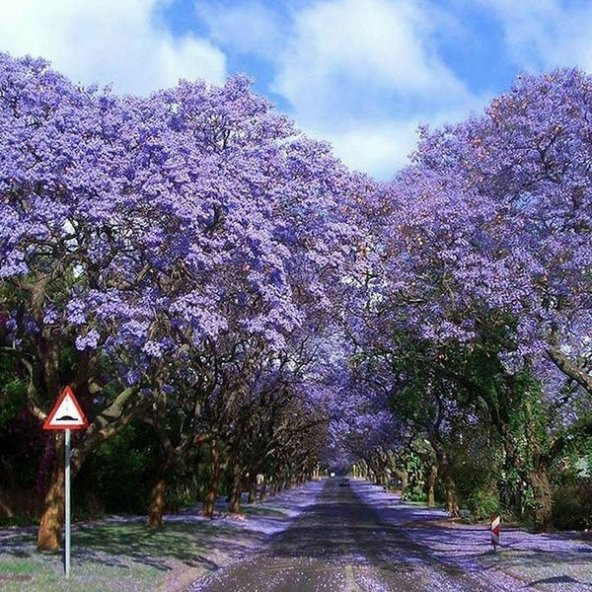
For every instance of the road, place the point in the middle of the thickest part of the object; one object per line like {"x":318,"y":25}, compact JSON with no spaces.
{"x":340,"y":544}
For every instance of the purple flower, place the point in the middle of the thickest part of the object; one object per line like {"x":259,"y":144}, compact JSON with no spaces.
{"x":88,"y":341}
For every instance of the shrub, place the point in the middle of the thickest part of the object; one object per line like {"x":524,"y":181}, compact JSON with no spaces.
{"x":483,"y":504}
{"x":572,"y":505}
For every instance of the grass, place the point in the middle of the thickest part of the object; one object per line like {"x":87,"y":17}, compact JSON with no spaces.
{"x":117,"y":557}
{"x":17,"y":567}
{"x":262,"y":511}
{"x":125,"y":555}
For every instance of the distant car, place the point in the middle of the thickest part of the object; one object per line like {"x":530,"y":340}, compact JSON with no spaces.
{"x":343,"y":482}
{"x":331,"y":474}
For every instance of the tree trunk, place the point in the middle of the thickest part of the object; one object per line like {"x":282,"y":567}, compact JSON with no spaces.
{"x":539,"y":474}
{"x":252,"y":489}
{"x":375,"y":472}
{"x":4,"y":507}
{"x":541,"y":487}
{"x":451,"y":495}
{"x":432,"y":484}
{"x":511,"y":490}
{"x":214,"y":483}
{"x":49,"y":535}
{"x":263,"y":491}
{"x":235,"y":489}
{"x":445,"y":470}
{"x":157,"y":504}
{"x":404,"y":476}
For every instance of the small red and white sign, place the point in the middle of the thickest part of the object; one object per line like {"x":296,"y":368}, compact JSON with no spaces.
{"x":66,"y":413}
{"x":495,"y":531}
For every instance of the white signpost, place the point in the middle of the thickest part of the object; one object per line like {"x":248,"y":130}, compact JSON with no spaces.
{"x":66,"y":415}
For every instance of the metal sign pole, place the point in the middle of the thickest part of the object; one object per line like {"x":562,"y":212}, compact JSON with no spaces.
{"x":67,"y":503}
{"x":66,"y":415}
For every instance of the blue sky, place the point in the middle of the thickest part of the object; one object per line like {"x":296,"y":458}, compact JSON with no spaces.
{"x":361,"y":74}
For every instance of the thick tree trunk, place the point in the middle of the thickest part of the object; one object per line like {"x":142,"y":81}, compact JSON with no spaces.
{"x":543,"y":499}
{"x":157,"y":504}
{"x":404,"y":476}
{"x":214,"y":483}
{"x":252,"y":489}
{"x":376,"y":477}
{"x":445,"y":471}
{"x":451,"y":495}
{"x":375,"y":472}
{"x":432,"y":485}
{"x":49,"y":535}
{"x":236,"y":489}
{"x":538,"y":476}
{"x":263,"y":490}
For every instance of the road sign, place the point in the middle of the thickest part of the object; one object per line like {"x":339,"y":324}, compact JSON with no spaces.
{"x":66,"y":413}
{"x":495,"y":531}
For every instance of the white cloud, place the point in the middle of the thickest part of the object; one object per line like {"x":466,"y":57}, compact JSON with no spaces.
{"x":365,"y":73}
{"x":380,"y":149}
{"x":380,"y":43}
{"x":248,"y":27}
{"x":107,"y":41}
{"x":543,"y":34}
{"x":360,"y":73}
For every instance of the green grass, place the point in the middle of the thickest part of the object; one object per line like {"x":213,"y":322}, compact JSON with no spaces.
{"x":125,"y":556}
{"x":112,"y":557}
{"x":17,"y":567}
{"x":262,"y":511}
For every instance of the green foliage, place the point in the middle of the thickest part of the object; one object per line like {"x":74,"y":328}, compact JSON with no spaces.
{"x":12,"y":392}
{"x":483,"y":504}
{"x":120,"y":473}
{"x":572,"y":505}
{"x":416,"y":493}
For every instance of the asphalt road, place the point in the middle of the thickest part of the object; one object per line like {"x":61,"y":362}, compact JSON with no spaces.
{"x":340,"y":544}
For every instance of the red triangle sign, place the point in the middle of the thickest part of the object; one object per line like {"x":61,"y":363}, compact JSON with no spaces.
{"x":66,"y":413}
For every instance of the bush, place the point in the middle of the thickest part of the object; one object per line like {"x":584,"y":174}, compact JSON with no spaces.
{"x":118,"y":476}
{"x":483,"y":504}
{"x":572,"y":505}
{"x":416,"y":493}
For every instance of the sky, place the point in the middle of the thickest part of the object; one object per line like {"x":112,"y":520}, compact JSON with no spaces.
{"x":361,"y":74}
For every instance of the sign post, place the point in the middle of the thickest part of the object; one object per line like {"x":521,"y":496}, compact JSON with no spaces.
{"x":66,"y":415}
{"x":67,"y":503}
{"x":495,"y":531}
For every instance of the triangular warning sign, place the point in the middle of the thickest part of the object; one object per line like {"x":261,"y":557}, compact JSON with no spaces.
{"x":66,"y":413}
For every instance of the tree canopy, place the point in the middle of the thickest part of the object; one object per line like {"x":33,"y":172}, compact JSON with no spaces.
{"x":192,"y":263}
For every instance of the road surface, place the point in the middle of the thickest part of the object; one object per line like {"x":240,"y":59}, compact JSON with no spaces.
{"x":340,"y":544}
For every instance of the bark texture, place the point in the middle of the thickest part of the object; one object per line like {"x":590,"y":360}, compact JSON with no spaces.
{"x":156,"y":509}
{"x":214,"y":483}
{"x":49,"y":535}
